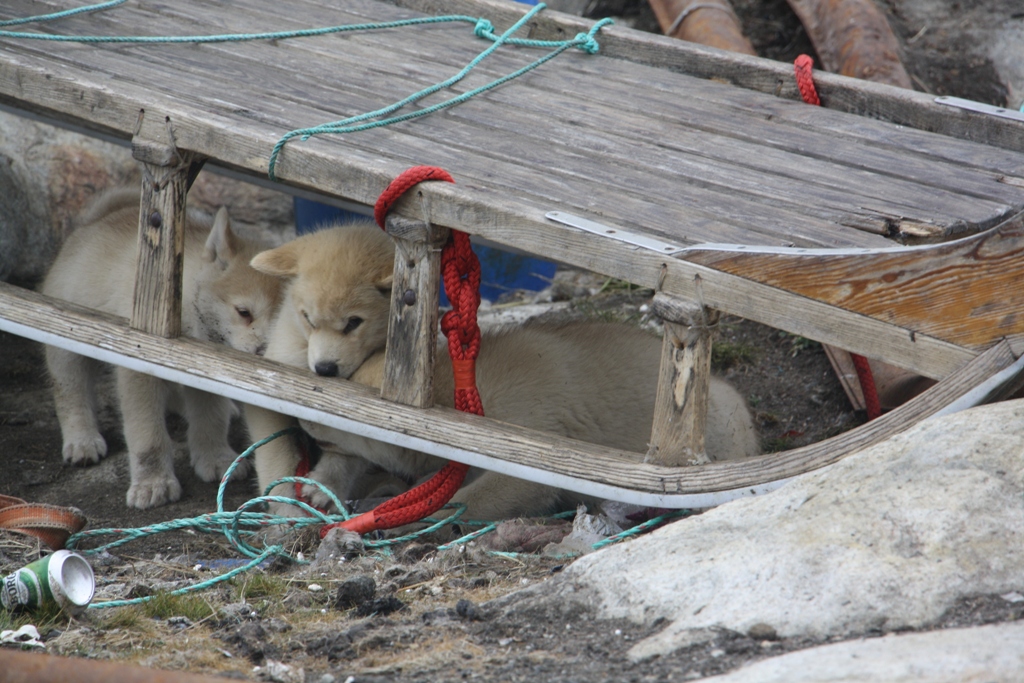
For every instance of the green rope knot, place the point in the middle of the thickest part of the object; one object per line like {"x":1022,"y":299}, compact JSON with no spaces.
{"x":587,"y":42}
{"x":483,"y":28}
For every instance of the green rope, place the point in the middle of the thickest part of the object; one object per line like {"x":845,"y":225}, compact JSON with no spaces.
{"x":61,"y":15}
{"x":240,"y":523}
{"x":584,"y":41}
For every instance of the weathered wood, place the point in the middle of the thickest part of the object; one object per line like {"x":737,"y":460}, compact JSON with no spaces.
{"x":156,"y":306}
{"x":412,"y":328}
{"x":711,"y":23}
{"x":842,"y":93}
{"x":445,"y":431}
{"x":681,"y":402}
{"x":853,"y":38}
{"x":967,"y":292}
{"x":219,"y":106}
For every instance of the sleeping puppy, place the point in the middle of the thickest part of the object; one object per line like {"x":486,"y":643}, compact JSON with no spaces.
{"x":590,"y":381}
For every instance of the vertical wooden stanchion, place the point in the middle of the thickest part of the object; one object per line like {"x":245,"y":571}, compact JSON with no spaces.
{"x":681,"y":406}
{"x":166,"y":175}
{"x":412,"y":328}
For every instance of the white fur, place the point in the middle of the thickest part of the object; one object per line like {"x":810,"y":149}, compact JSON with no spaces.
{"x":223,"y":300}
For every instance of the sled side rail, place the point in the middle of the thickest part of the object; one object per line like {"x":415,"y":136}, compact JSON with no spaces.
{"x":484,"y":442}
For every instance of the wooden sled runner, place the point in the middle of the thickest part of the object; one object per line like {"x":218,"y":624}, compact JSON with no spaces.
{"x":815,"y":202}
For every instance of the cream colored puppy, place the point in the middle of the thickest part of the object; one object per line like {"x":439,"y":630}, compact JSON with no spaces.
{"x":334,"y":315}
{"x":591,"y":381}
{"x":223,"y":300}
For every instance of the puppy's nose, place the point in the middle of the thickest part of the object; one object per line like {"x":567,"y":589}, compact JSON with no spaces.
{"x":261,"y":349}
{"x":326,"y":368}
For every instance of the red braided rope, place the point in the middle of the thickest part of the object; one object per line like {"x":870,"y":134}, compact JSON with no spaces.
{"x":802,"y":67}
{"x":461,"y":271}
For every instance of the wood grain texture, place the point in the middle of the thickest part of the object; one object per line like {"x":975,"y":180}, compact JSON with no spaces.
{"x":412,"y":327}
{"x":681,"y":401}
{"x":236,"y":372}
{"x":731,"y":164}
{"x":967,"y":292}
{"x":156,"y":305}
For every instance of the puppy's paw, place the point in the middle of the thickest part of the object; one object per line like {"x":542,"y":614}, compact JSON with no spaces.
{"x":153,"y":492}
{"x":211,"y":467}
{"x":84,"y":450}
{"x":317,"y":498}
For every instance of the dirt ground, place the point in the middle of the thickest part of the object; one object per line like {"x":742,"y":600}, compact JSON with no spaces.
{"x":427,"y":616}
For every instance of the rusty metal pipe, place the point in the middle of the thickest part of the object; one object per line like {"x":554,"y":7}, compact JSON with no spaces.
{"x":853,"y":38}
{"x":708,"y":22}
{"x":31,"y":667}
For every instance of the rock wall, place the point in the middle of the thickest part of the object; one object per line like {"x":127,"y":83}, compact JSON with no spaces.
{"x":48,"y":174}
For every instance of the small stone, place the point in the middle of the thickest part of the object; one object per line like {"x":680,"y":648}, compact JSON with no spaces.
{"x":762,"y":631}
{"x":314,"y":588}
{"x":179,"y":622}
{"x":467,"y":610}
{"x":327,"y":678}
{"x":381,"y":606}
{"x":355,"y":591}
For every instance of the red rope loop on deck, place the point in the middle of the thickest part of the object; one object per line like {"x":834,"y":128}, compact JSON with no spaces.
{"x":802,"y":66}
{"x":460,"y":269}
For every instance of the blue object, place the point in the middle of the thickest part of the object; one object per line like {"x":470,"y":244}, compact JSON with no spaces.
{"x":500,"y":270}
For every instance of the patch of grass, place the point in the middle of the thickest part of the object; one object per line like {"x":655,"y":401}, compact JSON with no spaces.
{"x":43,"y":619}
{"x":726,"y":354}
{"x":798,"y":344}
{"x":257,"y":585}
{"x":165,"y":606}
{"x":131,"y":617}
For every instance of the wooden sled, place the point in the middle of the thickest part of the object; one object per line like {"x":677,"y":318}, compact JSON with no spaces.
{"x":810,"y":199}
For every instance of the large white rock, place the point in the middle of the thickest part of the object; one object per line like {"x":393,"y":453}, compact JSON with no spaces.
{"x":887,"y":538}
{"x":993,"y":654}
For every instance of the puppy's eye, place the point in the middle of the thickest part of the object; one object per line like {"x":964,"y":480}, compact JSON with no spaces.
{"x":308,"y":321}
{"x":353,"y":323}
{"x":245,"y":314}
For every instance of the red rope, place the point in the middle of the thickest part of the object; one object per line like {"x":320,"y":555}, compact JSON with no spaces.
{"x":805,"y":82}
{"x":802,"y":65}
{"x":460,"y":269}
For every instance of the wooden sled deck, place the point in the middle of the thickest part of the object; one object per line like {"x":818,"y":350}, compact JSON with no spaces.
{"x":633,"y":163}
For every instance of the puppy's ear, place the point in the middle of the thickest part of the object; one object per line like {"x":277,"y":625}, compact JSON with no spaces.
{"x":221,"y":244}
{"x":384,"y":286}
{"x":280,"y":262}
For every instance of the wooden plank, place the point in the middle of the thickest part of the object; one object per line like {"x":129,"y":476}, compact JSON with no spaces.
{"x":684,"y":378}
{"x":842,"y":93}
{"x":967,"y":292}
{"x":704,"y":210}
{"x":156,"y":306}
{"x":713,"y":214}
{"x":892,"y":216}
{"x":412,"y":328}
{"x":362,"y":177}
{"x":345,"y":405}
{"x":585,"y":108}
